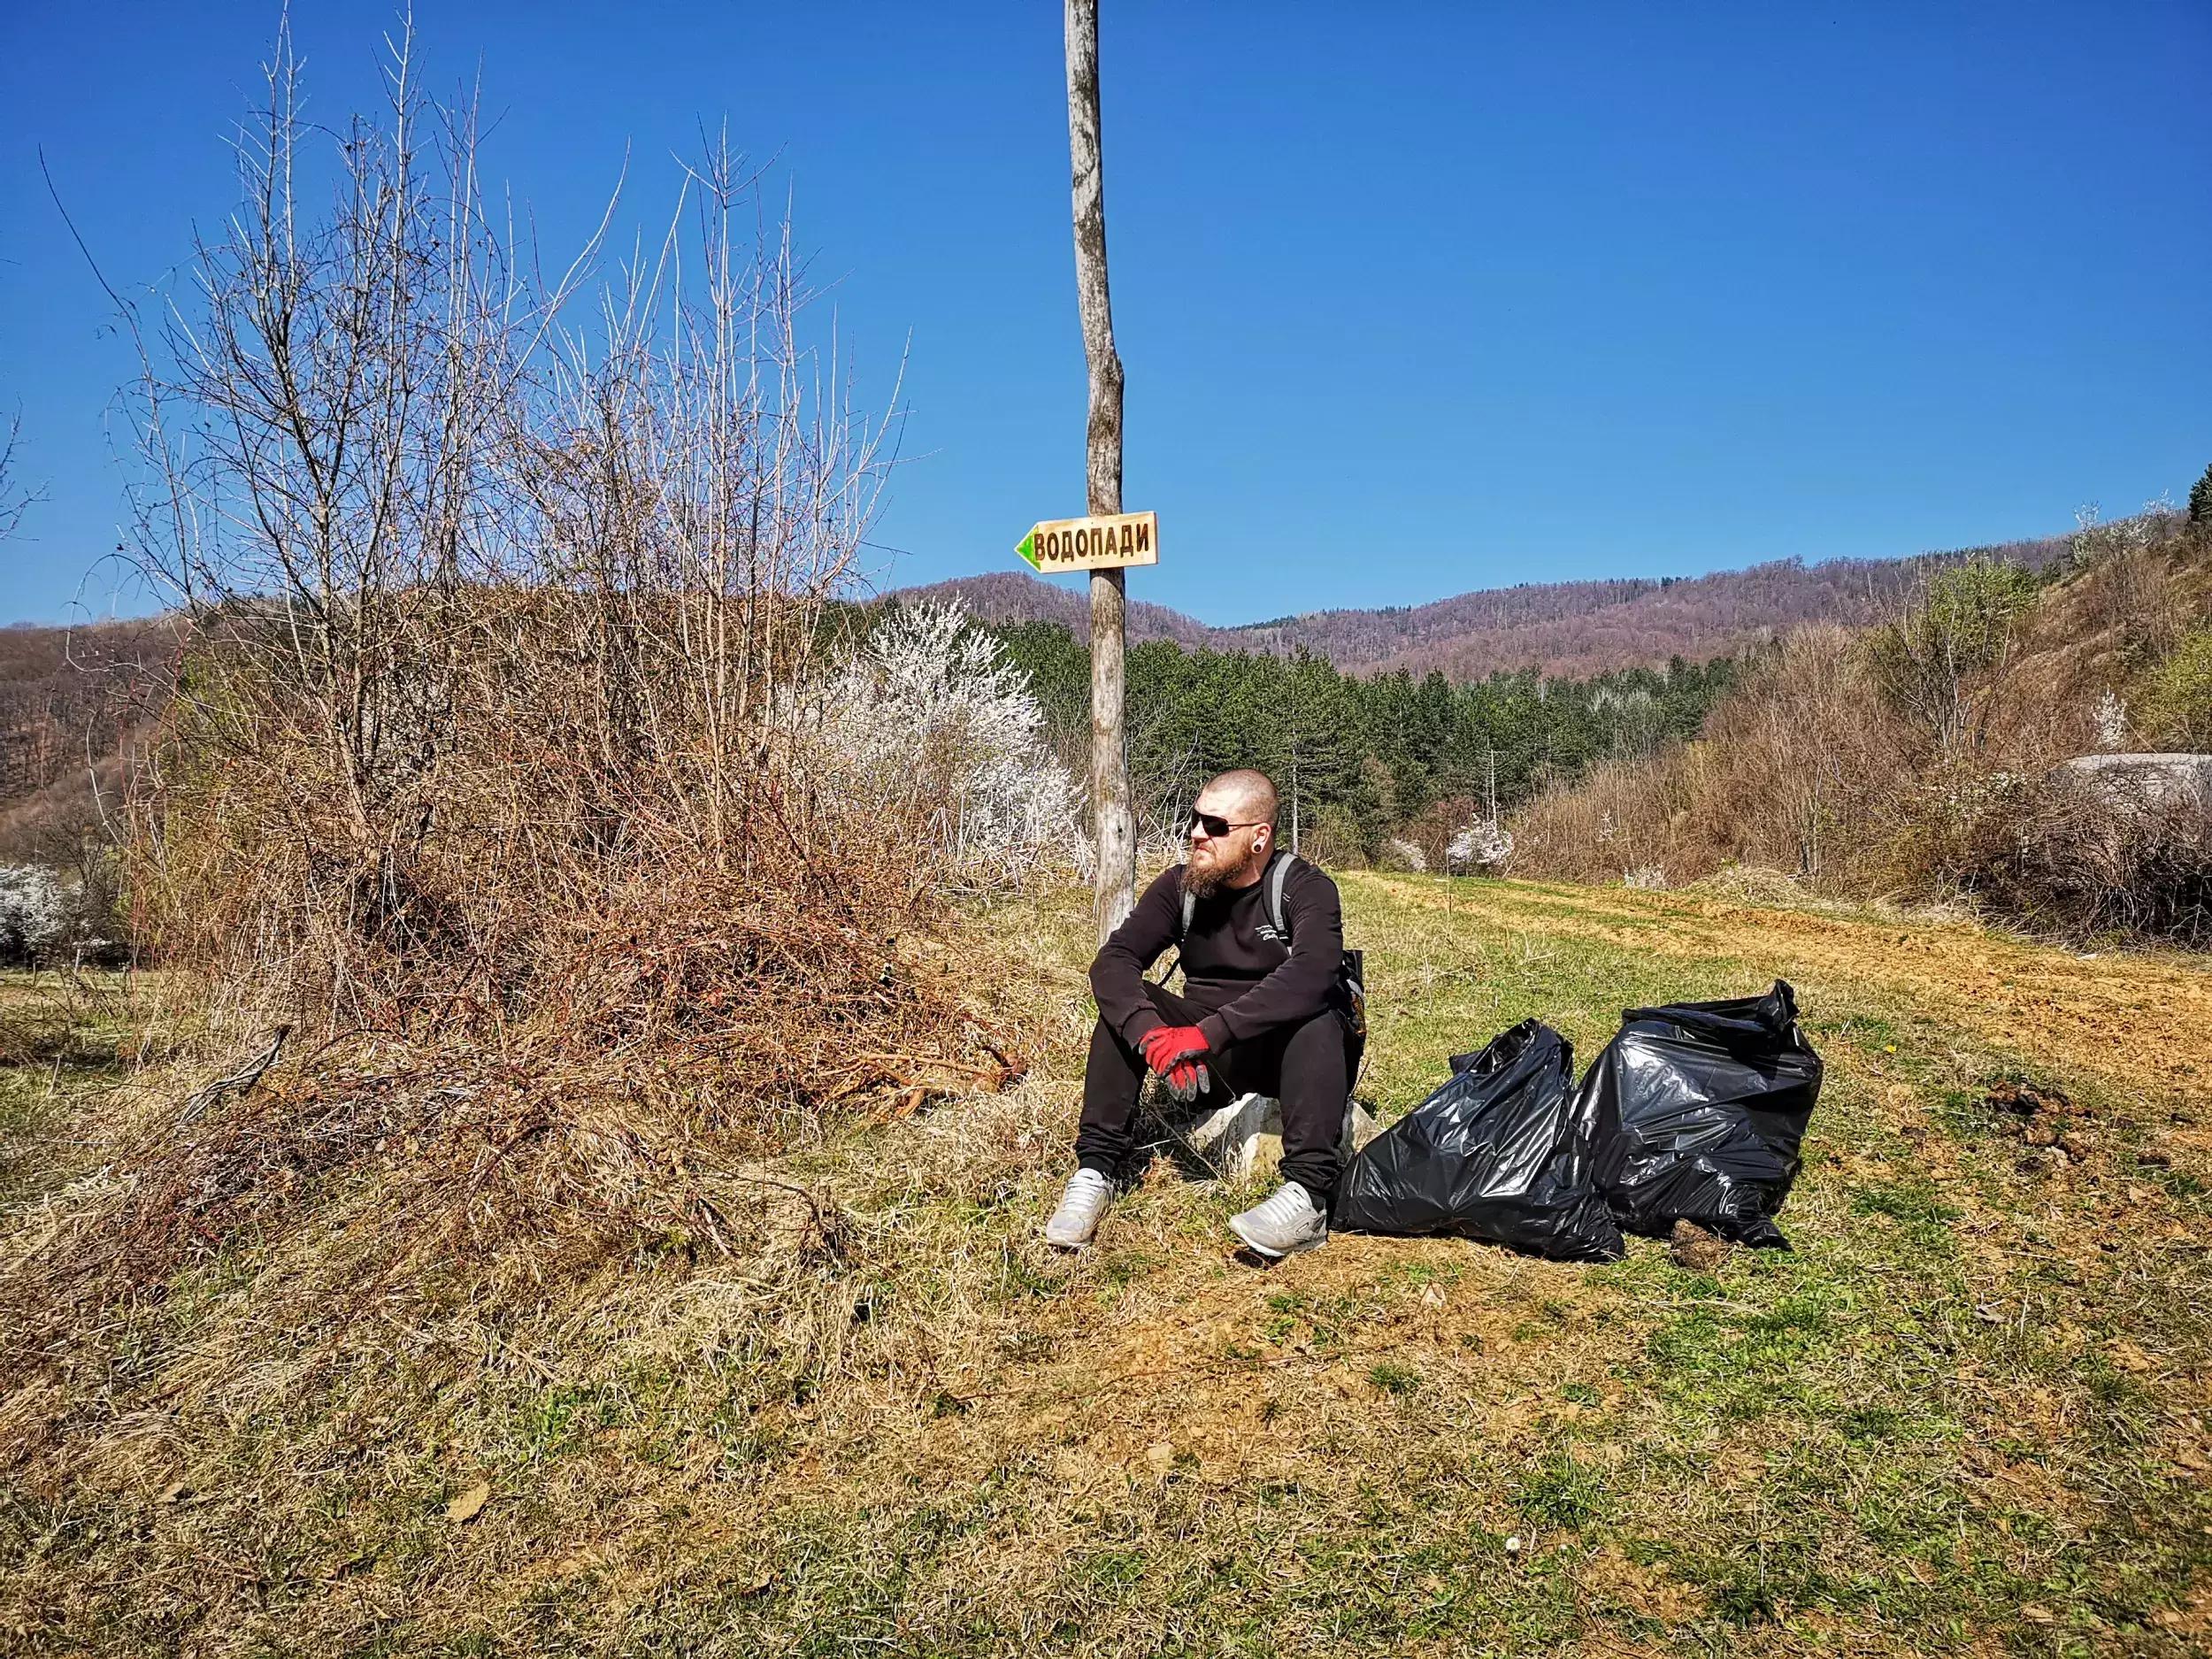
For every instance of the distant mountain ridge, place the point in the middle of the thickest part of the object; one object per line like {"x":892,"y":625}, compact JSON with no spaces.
{"x":1567,"y":629}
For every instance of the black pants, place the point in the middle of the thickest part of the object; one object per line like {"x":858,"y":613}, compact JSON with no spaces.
{"x":1303,"y":1066}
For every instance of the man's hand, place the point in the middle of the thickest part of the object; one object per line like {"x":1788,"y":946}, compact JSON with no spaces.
{"x":1164,"y":1045}
{"x":1187,"y":1080}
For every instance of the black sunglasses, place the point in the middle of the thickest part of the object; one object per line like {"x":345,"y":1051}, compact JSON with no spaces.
{"x":1213,"y":823}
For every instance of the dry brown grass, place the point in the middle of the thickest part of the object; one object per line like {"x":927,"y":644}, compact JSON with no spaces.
{"x":400,"y":1211}
{"x":669,"y":1034}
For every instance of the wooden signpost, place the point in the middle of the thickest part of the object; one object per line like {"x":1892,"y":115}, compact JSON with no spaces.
{"x":1116,"y":888}
{"x":1107,"y":541}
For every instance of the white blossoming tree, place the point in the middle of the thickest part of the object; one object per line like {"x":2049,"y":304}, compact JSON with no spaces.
{"x":1479,"y":846}
{"x":33,"y":912}
{"x":923,"y":721}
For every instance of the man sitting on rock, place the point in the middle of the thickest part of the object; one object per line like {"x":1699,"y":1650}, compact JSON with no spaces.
{"x":1259,"y":1014}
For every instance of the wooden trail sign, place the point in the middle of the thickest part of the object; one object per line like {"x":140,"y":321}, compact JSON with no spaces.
{"x":1104,"y":541}
{"x":1115,"y":889}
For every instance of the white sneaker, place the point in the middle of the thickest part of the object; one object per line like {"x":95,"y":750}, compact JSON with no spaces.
{"x":1285,"y":1225}
{"x":1084,"y":1201}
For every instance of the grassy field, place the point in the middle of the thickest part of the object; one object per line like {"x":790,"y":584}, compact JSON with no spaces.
{"x":1968,"y":1411}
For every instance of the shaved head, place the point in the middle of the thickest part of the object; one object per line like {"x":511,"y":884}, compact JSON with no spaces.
{"x":1244,"y":801}
{"x":1249,"y":795}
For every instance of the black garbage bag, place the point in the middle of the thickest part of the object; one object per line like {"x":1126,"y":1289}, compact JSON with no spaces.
{"x":1496,"y":1154}
{"x":1696,"y":1111}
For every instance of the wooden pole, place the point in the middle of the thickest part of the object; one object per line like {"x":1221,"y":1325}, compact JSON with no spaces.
{"x":1116,"y":885}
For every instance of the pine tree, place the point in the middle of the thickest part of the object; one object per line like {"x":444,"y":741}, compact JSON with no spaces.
{"x":1320,"y":735}
{"x":2201,"y":499}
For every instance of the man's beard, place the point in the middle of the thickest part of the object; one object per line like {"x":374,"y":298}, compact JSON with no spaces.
{"x":1204,"y":882}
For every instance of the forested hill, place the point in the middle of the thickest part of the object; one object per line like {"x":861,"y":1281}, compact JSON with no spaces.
{"x":1573,"y":629}
{"x":68,"y":698}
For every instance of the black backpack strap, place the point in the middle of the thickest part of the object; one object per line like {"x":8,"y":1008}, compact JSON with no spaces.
{"x":1182,"y":933}
{"x":1278,"y":873}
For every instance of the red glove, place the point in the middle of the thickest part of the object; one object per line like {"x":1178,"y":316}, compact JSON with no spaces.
{"x":1164,"y":1045}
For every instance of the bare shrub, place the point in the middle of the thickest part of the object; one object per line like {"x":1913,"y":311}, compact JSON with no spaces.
{"x":1936,"y":663}
{"x":1797,"y":769}
{"x":2086,"y":862}
{"x":1570,"y":829}
{"x":1814,"y":766}
{"x":15,"y":499}
{"x":483,"y":761}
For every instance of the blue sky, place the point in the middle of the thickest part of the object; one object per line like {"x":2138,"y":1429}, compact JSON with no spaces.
{"x":1413,"y":299}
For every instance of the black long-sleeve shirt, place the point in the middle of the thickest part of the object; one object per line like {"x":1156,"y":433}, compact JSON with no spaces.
{"x":1234,"y":963}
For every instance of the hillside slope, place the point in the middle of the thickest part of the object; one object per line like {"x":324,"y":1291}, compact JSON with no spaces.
{"x":67,"y":695}
{"x":1923,"y":757}
{"x":1017,"y":596}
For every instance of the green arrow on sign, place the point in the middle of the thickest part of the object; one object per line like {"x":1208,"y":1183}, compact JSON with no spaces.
{"x":1028,"y":550}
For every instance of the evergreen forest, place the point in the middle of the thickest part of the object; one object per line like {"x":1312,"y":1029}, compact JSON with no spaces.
{"x":1360,"y":760}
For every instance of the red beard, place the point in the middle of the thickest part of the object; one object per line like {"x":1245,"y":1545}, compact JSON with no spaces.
{"x":1203,"y":881}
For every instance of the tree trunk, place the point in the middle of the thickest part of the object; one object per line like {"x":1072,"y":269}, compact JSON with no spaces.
{"x":1116,"y":885}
